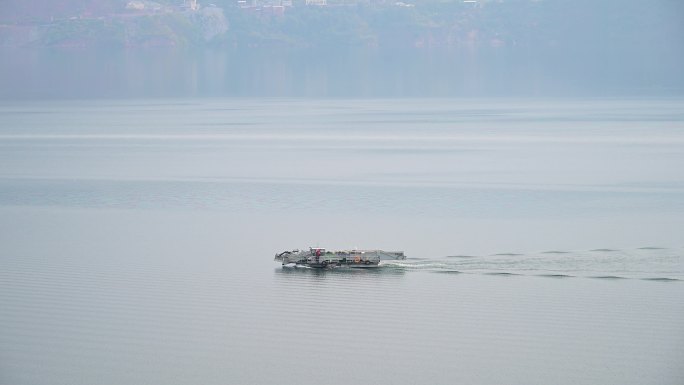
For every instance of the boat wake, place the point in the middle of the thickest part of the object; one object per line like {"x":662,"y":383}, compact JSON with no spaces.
{"x":645,"y":263}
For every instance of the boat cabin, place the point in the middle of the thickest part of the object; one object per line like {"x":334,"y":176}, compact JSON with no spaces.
{"x":317,"y":251}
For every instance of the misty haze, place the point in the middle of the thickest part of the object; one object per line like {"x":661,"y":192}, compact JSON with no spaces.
{"x":526,"y":156}
{"x":347,"y":48}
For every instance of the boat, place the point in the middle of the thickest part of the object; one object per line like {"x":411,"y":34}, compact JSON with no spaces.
{"x":318,"y":257}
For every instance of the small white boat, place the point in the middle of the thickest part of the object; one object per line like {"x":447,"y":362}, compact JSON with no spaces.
{"x":319,"y":257}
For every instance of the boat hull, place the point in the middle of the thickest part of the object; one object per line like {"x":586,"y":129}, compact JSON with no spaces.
{"x":331,"y":265}
{"x":319,"y":258}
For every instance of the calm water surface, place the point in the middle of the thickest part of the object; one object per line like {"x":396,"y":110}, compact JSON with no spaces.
{"x":544,"y":241}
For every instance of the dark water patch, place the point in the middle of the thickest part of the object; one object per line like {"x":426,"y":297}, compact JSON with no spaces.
{"x":222,"y":124}
{"x":608,"y":277}
{"x":661,"y":279}
{"x":154,"y":104}
{"x":604,"y":250}
{"x":556,"y":275}
{"x":502,"y":273}
{"x":461,"y":256}
{"x":448,"y":272}
{"x":555,"y":252}
{"x":651,"y":248}
{"x":507,"y":255}
{"x":277,"y":195}
{"x":405,"y":150}
{"x":28,"y":112}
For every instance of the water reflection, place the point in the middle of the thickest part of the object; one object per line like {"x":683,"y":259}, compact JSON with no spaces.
{"x":350,"y":72}
{"x":342,"y":273}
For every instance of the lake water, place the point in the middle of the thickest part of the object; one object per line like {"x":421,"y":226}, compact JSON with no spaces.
{"x":544,"y":241}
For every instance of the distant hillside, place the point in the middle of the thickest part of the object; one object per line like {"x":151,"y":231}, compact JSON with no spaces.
{"x":108,"y":23}
{"x":616,"y":25}
{"x":44,"y":10}
{"x":83,"y":48}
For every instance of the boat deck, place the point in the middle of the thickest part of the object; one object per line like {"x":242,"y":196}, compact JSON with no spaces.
{"x":320,"y":258}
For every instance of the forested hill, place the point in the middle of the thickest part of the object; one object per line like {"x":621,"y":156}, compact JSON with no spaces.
{"x":518,"y":24}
